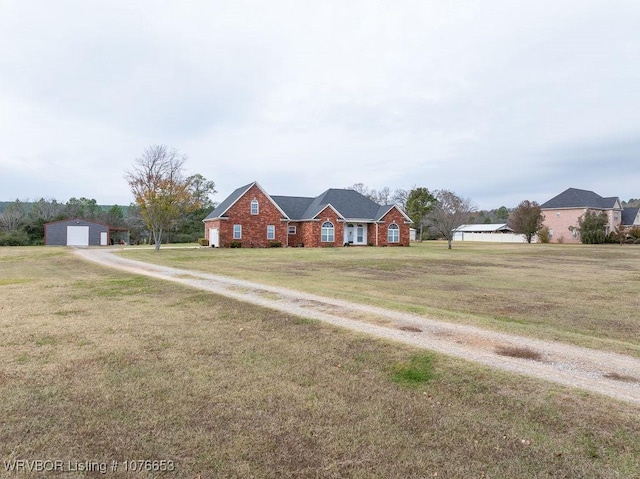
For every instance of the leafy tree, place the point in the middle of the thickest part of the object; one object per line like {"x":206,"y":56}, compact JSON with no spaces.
{"x":41,"y":212}
{"x":420,"y":202}
{"x":138,"y":232}
{"x":201,"y":191}
{"x":82,"y":208}
{"x":161,"y":190}
{"x":449,"y":212}
{"x":593,"y":227}
{"x":502,"y":214}
{"x":527,"y":219}
{"x":115,"y":216}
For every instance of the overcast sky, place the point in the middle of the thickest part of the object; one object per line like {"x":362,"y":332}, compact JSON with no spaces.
{"x":498,"y":101}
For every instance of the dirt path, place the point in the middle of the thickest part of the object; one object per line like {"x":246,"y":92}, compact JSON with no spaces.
{"x":610,"y":374}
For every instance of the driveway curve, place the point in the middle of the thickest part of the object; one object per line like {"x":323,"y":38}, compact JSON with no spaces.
{"x":610,"y":374}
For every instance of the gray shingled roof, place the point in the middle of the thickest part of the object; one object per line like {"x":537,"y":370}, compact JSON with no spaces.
{"x":350,"y":204}
{"x":293,"y":206}
{"x":575,"y":198}
{"x":629,"y":216}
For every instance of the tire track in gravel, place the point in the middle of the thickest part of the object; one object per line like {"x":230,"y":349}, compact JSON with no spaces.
{"x":610,"y":374}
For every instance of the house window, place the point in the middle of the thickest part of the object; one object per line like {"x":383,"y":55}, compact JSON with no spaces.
{"x":271,"y":232}
{"x":237,"y":232}
{"x":575,"y":232}
{"x":254,"y":207}
{"x":393,"y":234}
{"x":327,"y":234}
{"x":292,"y":230}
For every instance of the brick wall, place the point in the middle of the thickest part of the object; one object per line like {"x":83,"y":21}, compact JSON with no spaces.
{"x":393,"y":216}
{"x":308,"y":233}
{"x":254,"y":227}
{"x":312,"y":230}
{"x":559,"y":221}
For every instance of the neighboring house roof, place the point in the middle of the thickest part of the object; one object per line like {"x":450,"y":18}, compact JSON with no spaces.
{"x":484,"y":228}
{"x":349,"y":204}
{"x":630,"y":216}
{"x":575,"y":198}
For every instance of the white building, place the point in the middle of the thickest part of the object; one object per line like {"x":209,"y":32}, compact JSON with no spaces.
{"x":493,"y":233}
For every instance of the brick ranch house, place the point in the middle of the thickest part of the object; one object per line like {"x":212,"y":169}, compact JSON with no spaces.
{"x":251,"y":217}
{"x":561,"y":213}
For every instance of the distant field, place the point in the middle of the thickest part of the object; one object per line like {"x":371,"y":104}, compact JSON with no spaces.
{"x":97,"y":365}
{"x":585,"y":295}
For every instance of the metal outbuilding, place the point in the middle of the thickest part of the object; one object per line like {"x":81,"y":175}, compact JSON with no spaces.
{"x":79,"y":232}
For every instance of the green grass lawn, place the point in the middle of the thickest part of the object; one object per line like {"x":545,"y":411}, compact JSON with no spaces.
{"x":98,"y":365}
{"x":585,"y":295}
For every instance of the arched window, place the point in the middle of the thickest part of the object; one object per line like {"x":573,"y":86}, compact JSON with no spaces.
{"x":254,"y":207}
{"x":327,"y":234}
{"x":393,"y":234}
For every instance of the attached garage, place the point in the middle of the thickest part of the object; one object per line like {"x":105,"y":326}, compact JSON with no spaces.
{"x":76,"y":232}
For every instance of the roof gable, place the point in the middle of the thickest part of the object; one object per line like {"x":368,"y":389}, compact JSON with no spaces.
{"x":230,"y":200}
{"x":384,"y":210}
{"x":576,"y":198}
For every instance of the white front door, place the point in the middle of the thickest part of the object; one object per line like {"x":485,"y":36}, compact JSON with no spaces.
{"x":103,"y":238}
{"x":214,"y":237}
{"x":355,"y":234}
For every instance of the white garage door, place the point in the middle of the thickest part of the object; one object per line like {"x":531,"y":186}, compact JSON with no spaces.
{"x":77,"y":236}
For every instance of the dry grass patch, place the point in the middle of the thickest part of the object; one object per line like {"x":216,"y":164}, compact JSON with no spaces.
{"x":147,"y":369}
{"x":554,"y":292}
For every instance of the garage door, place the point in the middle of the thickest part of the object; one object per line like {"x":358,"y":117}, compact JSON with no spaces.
{"x":77,"y":236}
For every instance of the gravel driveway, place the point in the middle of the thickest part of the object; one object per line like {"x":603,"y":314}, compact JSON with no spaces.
{"x":605,"y":373}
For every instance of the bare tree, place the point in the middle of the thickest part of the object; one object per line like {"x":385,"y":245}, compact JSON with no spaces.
{"x":382,"y":197}
{"x":160,"y":188}
{"x":46,"y":210}
{"x":13,"y":216}
{"x":450,"y":212}
{"x":400,"y":197}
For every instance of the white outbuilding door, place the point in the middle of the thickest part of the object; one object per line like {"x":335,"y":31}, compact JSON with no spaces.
{"x":77,"y":236}
{"x":214,"y":237}
{"x":103,"y":238}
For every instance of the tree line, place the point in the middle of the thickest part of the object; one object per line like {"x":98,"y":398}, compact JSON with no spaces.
{"x":169,"y":206}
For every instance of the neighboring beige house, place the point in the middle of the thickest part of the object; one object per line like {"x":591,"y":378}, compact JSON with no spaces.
{"x":562,"y":212}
